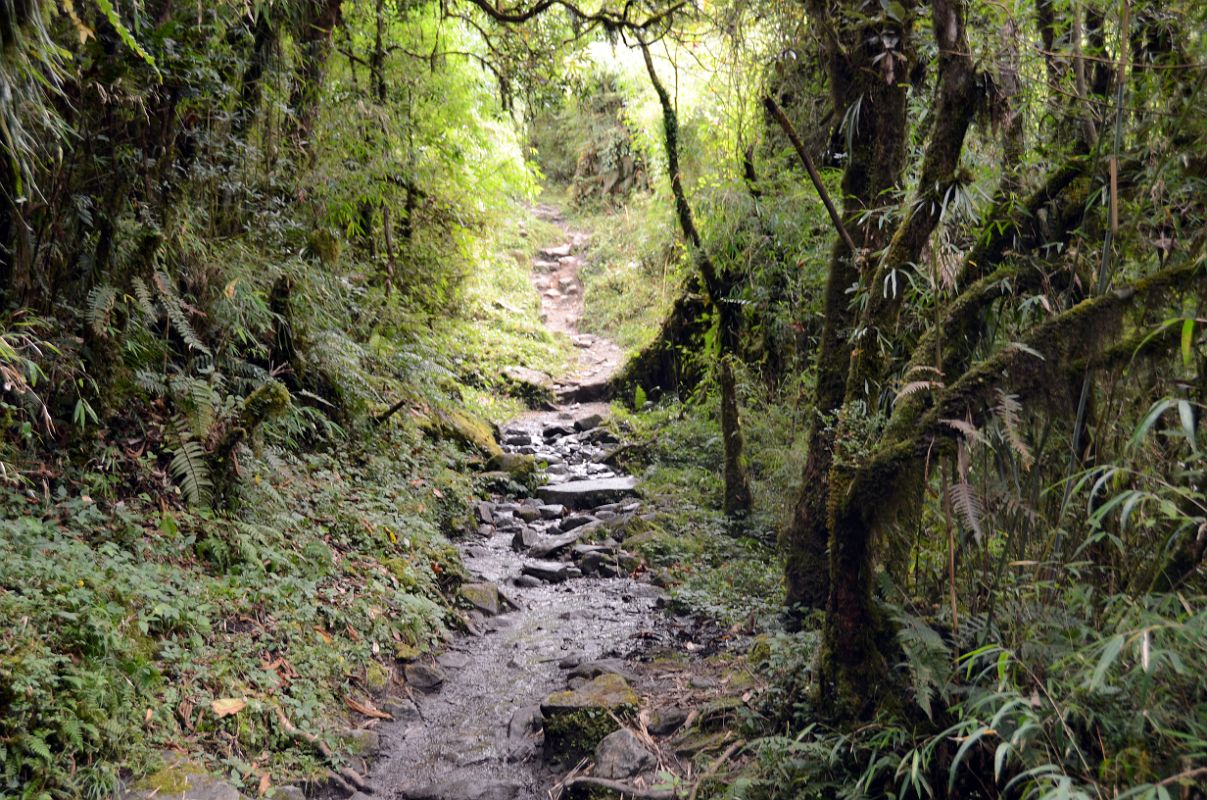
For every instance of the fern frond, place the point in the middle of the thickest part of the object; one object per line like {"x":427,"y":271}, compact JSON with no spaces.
{"x":143,"y":299}
{"x":1009,"y":410}
{"x":965,"y":500}
{"x":966,"y":429}
{"x":150,"y":382}
{"x":175,"y":310}
{"x":100,"y":304}
{"x":927,"y":368}
{"x":188,"y":467}
{"x":927,"y":657}
{"x":913,"y":387}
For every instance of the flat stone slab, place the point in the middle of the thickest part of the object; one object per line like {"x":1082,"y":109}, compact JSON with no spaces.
{"x":559,"y":252}
{"x":607,"y":691}
{"x":551,"y":571}
{"x":482,"y":596}
{"x":551,"y":545}
{"x":589,"y":493}
{"x":552,"y":512}
{"x":601,"y":666}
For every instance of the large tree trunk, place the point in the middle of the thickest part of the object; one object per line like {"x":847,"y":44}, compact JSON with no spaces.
{"x":867,"y":85}
{"x":851,"y":635}
{"x":319,"y":21}
{"x":251,"y":86}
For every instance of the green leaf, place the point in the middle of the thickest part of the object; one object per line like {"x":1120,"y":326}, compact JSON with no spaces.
{"x":1187,"y":341}
{"x":124,"y":33}
{"x":1186,"y":416}
{"x":1154,"y":413}
{"x":999,"y":759}
{"x":953,"y":771}
{"x":1109,"y":654}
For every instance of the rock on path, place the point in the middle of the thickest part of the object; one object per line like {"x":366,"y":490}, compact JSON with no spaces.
{"x":481,"y":727}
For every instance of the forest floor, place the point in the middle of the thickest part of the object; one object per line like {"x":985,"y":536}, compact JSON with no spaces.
{"x":571,"y":677}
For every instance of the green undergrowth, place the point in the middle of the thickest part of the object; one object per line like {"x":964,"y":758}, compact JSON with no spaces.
{"x":634,"y":271}
{"x":133,"y":617}
{"x":724,"y":569}
{"x":134,"y":597}
{"x":1067,"y":692}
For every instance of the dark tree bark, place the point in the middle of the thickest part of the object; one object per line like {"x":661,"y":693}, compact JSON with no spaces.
{"x":867,"y":60}
{"x":313,"y":37}
{"x":251,"y":86}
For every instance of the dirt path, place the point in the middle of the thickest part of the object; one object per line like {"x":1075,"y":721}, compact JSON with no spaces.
{"x":549,"y":586}
{"x":555,"y":276}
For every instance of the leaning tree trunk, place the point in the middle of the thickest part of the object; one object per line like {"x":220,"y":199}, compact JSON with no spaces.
{"x":737,"y":484}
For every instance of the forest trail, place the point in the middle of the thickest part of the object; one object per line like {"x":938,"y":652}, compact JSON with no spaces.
{"x":550,"y":605}
{"x":555,"y":276}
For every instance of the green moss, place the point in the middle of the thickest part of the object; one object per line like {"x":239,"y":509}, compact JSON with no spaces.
{"x":577,"y":720}
{"x":520,"y":467}
{"x":465,"y":430}
{"x":326,"y":246}
{"x":572,"y":736}
{"x":377,"y":677}
{"x":760,"y":650}
{"x":404,"y":651}
{"x":174,"y":779}
{"x":265,"y":402}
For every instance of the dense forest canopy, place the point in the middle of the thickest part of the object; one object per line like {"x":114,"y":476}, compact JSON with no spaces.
{"x":912,"y":297}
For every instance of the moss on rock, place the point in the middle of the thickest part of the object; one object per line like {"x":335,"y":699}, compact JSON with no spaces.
{"x":577,"y":720}
{"x":465,"y":430}
{"x":182,"y":780}
{"x":520,"y":467}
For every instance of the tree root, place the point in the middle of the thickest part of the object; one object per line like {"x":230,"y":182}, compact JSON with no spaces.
{"x":345,"y":775}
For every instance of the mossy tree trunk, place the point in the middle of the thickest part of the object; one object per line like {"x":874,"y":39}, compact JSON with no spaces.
{"x":318,"y":22}
{"x":858,"y":484}
{"x":737,"y":498}
{"x":874,"y":105}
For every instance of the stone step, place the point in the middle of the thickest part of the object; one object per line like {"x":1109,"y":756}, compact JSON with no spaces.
{"x":588,"y":493}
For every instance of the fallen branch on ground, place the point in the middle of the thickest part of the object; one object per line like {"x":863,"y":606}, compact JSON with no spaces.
{"x":624,"y":789}
{"x":346,"y":773}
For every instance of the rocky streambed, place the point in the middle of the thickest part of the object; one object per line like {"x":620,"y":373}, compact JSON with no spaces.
{"x":543,"y":676}
{"x":541,"y":685}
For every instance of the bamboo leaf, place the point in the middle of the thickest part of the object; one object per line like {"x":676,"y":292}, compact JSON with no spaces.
{"x":953,"y":771}
{"x":1154,"y":413}
{"x":1186,"y":417}
{"x":1109,"y":653}
{"x":1187,"y":342}
{"x":124,"y":33}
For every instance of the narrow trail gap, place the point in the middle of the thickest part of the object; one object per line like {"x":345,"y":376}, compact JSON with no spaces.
{"x":553,"y":609}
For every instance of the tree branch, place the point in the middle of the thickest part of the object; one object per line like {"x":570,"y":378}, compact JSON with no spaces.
{"x":519,"y":14}
{"x":670,"y":124}
{"x":1071,"y":335}
{"x":951,"y":114}
{"x":790,"y":130}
